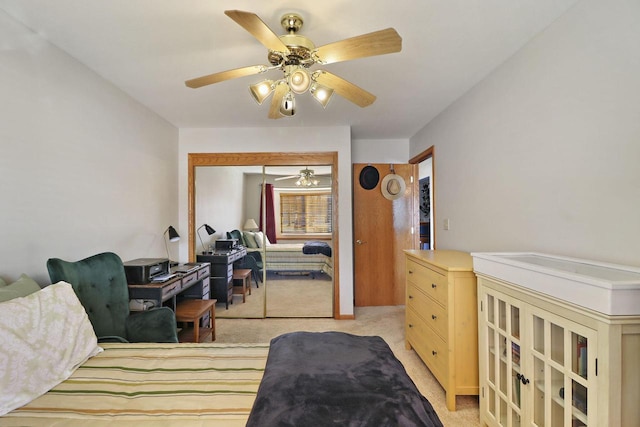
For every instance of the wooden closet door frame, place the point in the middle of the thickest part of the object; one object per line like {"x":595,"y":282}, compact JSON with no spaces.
{"x":269,"y":159}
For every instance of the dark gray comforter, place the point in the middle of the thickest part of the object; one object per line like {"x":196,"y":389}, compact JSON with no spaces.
{"x":337,"y":379}
{"x":314,"y":247}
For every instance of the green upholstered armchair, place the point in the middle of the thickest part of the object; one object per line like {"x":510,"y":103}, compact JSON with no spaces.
{"x":101,"y":286}
{"x":236,"y":234}
{"x":252,"y":261}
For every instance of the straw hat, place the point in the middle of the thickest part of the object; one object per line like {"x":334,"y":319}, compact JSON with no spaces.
{"x":393,"y":186}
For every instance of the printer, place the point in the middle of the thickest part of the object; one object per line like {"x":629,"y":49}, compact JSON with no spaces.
{"x":226,"y":244}
{"x":143,"y":270}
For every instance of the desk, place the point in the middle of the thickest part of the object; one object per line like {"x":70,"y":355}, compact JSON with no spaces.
{"x":222,"y":272}
{"x":192,"y":284}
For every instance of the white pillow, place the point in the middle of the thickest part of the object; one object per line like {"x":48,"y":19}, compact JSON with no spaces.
{"x":260,"y":238}
{"x":44,"y":337}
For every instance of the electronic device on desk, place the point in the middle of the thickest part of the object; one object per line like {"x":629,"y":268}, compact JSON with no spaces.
{"x":162,"y":277}
{"x":226,"y":244}
{"x":185,"y":268}
{"x":146,"y":270}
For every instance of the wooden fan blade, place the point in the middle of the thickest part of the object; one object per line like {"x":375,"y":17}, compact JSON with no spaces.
{"x":371,"y":44}
{"x":258,"y":29}
{"x":225,"y":75}
{"x":346,"y":89}
{"x":276,"y":101}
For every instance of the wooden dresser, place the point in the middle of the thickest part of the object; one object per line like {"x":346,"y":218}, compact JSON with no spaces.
{"x":442,"y":319}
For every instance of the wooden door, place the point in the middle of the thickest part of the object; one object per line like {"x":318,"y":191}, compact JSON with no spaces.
{"x":382,"y":229}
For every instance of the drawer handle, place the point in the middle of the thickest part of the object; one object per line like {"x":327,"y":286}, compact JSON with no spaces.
{"x":434,"y":317}
{"x":410,"y":272}
{"x":410,"y":296}
{"x":522,"y":379}
{"x":433,"y":285}
{"x":410,"y":325}
{"x":435,"y":353}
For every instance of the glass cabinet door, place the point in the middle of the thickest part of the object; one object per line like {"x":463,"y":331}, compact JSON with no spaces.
{"x":563,"y":371}
{"x":500,"y":328}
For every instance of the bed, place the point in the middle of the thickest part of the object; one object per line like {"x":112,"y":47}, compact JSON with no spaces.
{"x":289,"y":257}
{"x":148,"y":384}
{"x":53,"y":373}
{"x":337,"y":379}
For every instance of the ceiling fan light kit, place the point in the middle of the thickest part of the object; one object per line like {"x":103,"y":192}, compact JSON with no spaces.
{"x":288,"y":106}
{"x":261,"y":90}
{"x":293,"y":54}
{"x":321,"y":93}
{"x":297,"y":78}
{"x":306,"y":179}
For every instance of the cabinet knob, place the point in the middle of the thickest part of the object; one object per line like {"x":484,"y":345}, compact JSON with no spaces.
{"x":410,"y":272}
{"x":433,"y":285}
{"x":410,"y":325}
{"x":410,"y":296}
{"x":434,"y":317}
{"x":435,"y":353}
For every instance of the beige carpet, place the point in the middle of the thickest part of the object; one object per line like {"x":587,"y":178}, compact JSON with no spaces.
{"x":299,"y":298}
{"x":386,"y":322}
{"x":284,"y":298}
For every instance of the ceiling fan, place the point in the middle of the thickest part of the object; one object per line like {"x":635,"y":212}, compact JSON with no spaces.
{"x":305,"y":178}
{"x":294,"y":54}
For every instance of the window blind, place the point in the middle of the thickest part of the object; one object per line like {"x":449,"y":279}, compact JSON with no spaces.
{"x":305,"y":213}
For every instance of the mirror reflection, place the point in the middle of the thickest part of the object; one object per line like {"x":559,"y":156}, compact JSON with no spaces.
{"x":298,"y":246}
{"x":281,"y":218}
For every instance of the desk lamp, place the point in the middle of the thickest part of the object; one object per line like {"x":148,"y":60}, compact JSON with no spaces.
{"x":173,"y":237}
{"x":209,"y":230}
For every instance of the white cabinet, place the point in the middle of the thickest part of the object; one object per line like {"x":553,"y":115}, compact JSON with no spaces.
{"x":548,"y":362}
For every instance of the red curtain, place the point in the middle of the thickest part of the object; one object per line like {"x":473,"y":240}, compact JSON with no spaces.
{"x":270,"y":229}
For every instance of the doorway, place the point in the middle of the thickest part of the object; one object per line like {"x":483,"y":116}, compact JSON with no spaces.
{"x":424,"y":198}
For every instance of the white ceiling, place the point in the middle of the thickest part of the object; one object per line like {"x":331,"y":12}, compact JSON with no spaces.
{"x":148,"y":48}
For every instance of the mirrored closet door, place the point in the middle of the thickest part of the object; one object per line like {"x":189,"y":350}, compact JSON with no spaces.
{"x":298,"y":225}
{"x":284,"y":216}
{"x":224,"y":196}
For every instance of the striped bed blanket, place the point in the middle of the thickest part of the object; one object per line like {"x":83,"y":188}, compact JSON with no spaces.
{"x":289,"y":257}
{"x":148,"y":384}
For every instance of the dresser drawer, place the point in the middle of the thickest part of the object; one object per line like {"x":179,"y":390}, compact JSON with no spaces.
{"x":431,"y":348}
{"x":434,"y":315}
{"x":189,"y":279}
{"x":430,"y":281}
{"x":204,"y":271}
{"x":170,"y":289}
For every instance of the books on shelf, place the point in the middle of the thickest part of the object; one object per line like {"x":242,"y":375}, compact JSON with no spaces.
{"x":581,"y":352}
{"x":515,"y":353}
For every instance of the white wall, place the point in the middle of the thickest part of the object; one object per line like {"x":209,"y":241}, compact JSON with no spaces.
{"x":543,"y":154}
{"x":83,"y":167}
{"x":380,"y":151}
{"x":306,"y":139}
{"x":219,"y":202}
